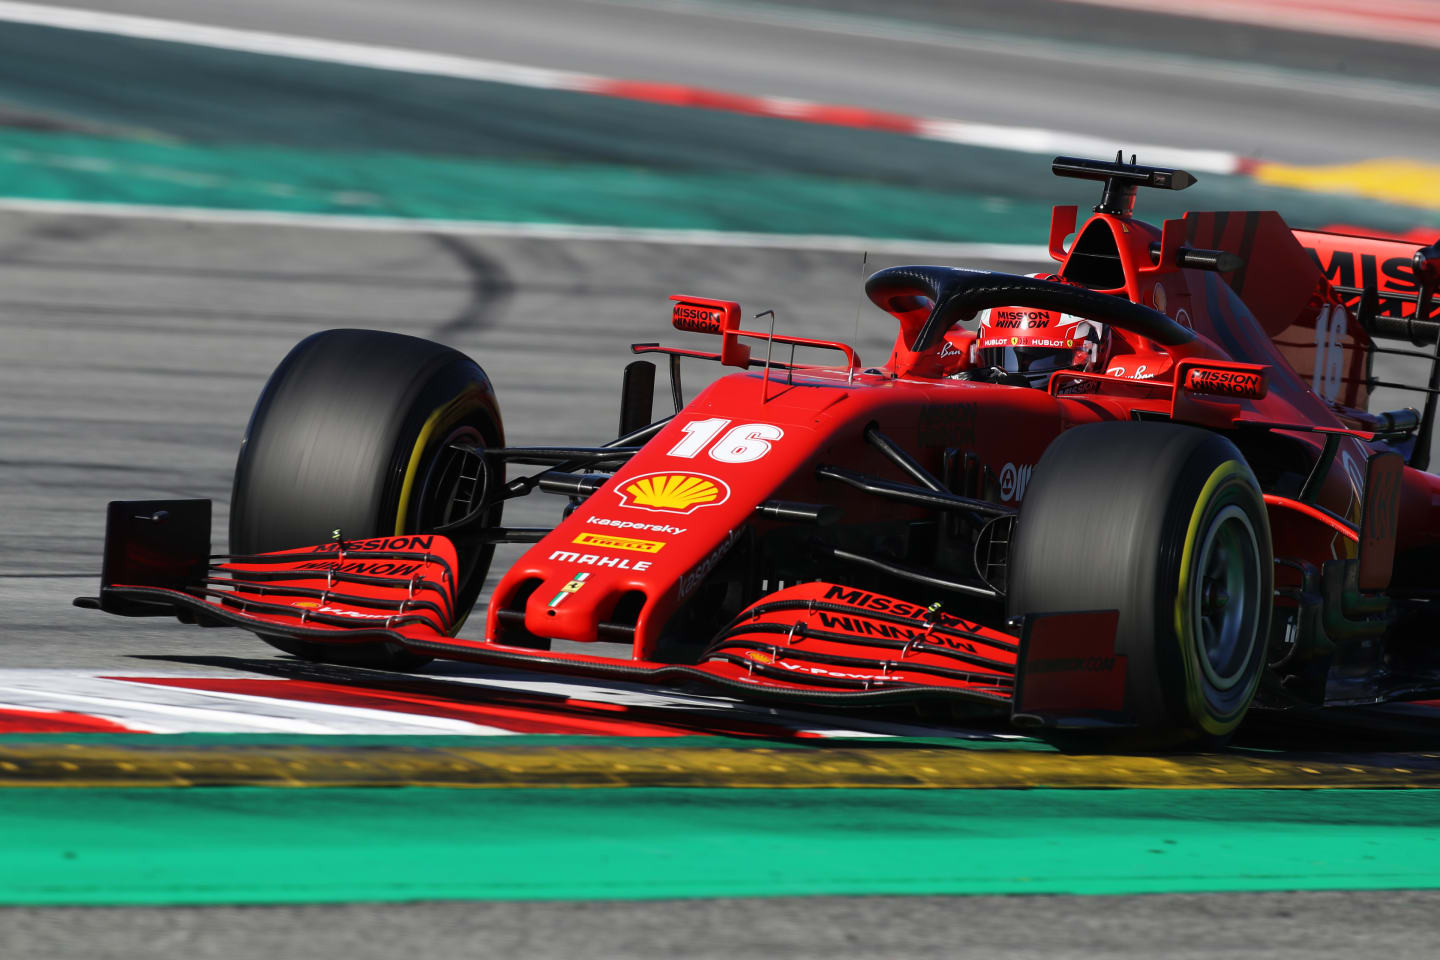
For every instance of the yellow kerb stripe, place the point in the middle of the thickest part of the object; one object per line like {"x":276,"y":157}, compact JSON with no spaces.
{"x":838,"y":767}
{"x":1394,"y":180}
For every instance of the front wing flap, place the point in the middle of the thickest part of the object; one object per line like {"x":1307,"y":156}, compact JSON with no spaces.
{"x":392,"y":589}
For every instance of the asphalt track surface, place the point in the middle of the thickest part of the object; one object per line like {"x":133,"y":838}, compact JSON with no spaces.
{"x":132,"y":351}
{"x":1135,"y":77}
{"x":1396,"y":925}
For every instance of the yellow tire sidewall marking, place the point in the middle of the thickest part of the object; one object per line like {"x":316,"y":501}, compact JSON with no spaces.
{"x":439,"y":416}
{"x":1184,"y":628}
{"x":432,"y":423}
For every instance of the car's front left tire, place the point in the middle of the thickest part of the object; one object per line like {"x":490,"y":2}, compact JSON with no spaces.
{"x":367,"y":432}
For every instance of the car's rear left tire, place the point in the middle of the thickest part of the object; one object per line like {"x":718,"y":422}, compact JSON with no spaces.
{"x":1166,"y":524}
{"x":357,"y":431}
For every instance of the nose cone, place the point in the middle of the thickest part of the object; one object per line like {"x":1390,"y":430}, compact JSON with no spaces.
{"x":583,"y":590}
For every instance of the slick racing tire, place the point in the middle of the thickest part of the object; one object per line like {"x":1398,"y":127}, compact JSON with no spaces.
{"x":356,"y":431}
{"x":1167,"y":525}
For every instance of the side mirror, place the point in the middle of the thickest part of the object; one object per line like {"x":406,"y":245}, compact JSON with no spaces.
{"x":719,"y":317}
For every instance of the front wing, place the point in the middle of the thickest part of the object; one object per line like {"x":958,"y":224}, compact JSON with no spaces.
{"x":813,"y":643}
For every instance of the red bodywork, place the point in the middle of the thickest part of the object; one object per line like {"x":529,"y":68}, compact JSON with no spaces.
{"x":681,"y":537}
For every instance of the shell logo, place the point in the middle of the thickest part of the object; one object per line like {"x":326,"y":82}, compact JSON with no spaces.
{"x":673,"y":492}
{"x":759,"y":656}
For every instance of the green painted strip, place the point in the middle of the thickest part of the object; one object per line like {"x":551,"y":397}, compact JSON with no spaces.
{"x":310,"y":137}
{"x":73,"y":167}
{"x":252,"y":845}
{"x":95,"y":169}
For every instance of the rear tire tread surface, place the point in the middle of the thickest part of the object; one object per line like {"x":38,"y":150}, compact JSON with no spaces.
{"x":1120,"y":516}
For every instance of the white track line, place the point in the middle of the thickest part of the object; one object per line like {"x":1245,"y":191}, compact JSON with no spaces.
{"x":1133,"y":60}
{"x":131,"y":712}
{"x":1413,"y":23}
{"x":283,"y":45}
{"x":397,"y":719}
{"x":1018,"y":252}
{"x":796,"y":717}
{"x":1023,"y":139}
{"x":165,"y":708}
{"x":1051,"y":142}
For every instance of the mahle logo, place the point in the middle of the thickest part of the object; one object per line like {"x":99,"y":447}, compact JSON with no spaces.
{"x":673,"y":492}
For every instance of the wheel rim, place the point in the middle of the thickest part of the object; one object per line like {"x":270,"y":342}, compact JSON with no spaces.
{"x":1225,"y":598}
{"x":454,"y":482}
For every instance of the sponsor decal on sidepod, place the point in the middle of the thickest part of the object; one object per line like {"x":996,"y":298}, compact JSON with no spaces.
{"x":1013,"y":481}
{"x":701,"y":570}
{"x":947,"y":425}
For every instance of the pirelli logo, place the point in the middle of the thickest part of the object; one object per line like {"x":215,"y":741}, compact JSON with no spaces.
{"x":619,"y":543}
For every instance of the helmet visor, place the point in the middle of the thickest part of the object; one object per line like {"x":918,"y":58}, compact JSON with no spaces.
{"x":1033,"y":362}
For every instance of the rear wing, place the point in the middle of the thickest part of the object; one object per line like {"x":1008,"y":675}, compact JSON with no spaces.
{"x":1394,"y":270}
{"x":1390,"y":286}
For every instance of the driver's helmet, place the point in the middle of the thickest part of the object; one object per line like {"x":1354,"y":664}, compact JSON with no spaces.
{"x":1034,"y":342}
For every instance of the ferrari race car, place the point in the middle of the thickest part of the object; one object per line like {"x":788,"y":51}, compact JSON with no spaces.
{"x":1143,"y":494}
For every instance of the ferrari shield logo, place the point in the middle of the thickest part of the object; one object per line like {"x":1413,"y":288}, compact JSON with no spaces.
{"x":572,"y":587}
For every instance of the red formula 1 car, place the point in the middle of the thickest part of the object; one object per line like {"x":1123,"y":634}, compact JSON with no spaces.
{"x":1142,"y":494}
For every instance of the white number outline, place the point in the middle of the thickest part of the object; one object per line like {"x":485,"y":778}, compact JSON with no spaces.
{"x":698,"y":433}
{"x":745,"y":443}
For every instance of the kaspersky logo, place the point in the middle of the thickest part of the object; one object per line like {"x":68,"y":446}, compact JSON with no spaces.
{"x":673,"y":492}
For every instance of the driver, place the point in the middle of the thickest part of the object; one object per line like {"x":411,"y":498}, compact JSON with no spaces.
{"x":1024,"y":345}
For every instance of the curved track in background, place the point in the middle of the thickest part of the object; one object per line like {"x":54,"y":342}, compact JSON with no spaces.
{"x":133,"y":350}
{"x":1134,"y":77}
